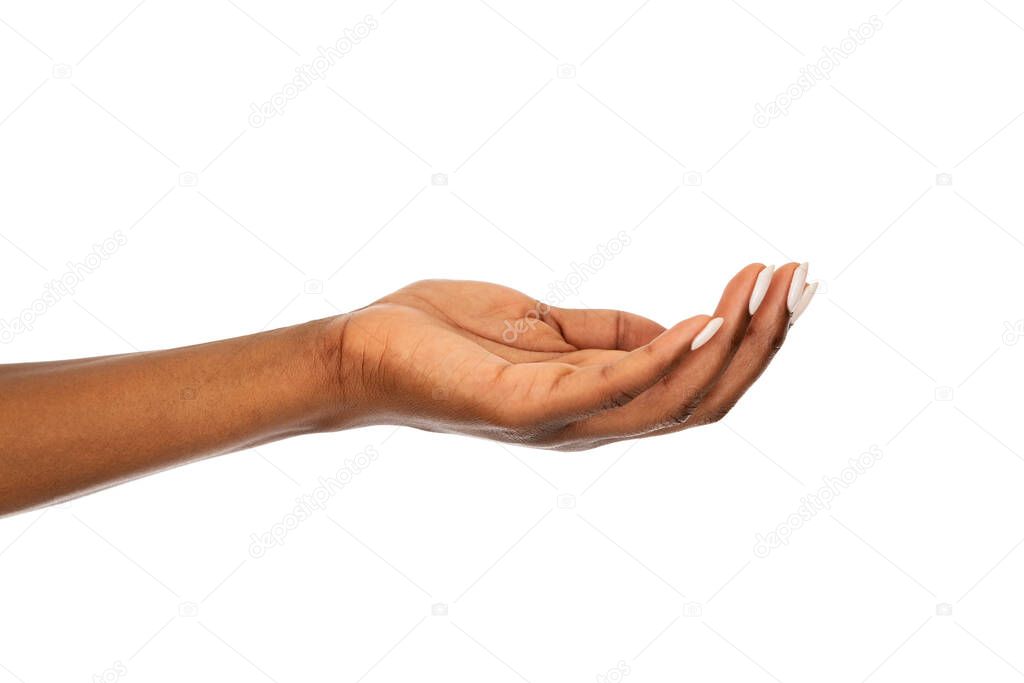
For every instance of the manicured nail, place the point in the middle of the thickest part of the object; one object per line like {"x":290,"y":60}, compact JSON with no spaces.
{"x":764,"y":278}
{"x":805,"y":301}
{"x":796,"y":287}
{"x":707,"y":333}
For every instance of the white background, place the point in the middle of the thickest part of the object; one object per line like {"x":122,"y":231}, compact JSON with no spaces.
{"x":135,"y":118}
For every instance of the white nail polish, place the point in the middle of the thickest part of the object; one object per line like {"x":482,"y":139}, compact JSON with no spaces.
{"x":796,"y":287}
{"x":707,"y":333}
{"x":764,"y":279}
{"x":804,"y":302}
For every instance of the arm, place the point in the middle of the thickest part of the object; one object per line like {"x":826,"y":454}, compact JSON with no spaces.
{"x":461,"y":357}
{"x":75,"y":426}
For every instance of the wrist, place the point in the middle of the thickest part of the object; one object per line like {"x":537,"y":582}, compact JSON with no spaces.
{"x":344,"y":400}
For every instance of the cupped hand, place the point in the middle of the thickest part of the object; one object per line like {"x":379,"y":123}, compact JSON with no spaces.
{"x":485,"y":360}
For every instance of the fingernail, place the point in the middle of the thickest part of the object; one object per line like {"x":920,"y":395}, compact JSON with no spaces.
{"x":764,"y":278}
{"x":796,"y":287}
{"x":805,"y":301}
{"x":707,"y":333}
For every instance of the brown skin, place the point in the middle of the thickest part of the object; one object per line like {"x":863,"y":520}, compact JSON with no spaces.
{"x":448,"y":356}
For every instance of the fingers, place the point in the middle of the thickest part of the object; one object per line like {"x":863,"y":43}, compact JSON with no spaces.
{"x":573,"y":335}
{"x":765,"y":335}
{"x":673,"y":399}
{"x":564,"y":392}
{"x":603,"y":329}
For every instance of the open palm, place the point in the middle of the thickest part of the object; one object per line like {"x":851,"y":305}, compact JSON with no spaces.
{"x":483,"y":359}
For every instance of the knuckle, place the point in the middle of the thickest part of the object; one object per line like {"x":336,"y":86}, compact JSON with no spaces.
{"x":681,"y":416}
{"x":770,"y":338}
{"x":620,"y":330}
{"x":622,"y":397}
{"x":618,"y":399}
{"x":615,"y":397}
{"x":735,"y":341}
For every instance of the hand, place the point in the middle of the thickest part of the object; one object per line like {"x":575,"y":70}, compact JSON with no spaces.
{"x":463,"y":357}
{"x":486,"y":360}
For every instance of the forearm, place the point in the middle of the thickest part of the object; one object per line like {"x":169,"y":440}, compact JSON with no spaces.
{"x":71,"y":427}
